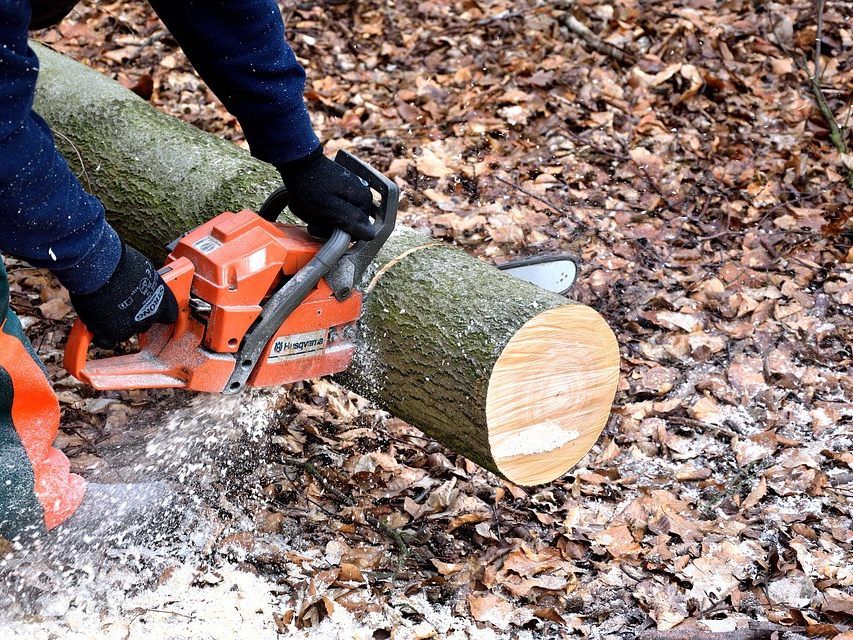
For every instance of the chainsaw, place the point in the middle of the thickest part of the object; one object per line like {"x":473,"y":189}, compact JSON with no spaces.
{"x":261,"y":303}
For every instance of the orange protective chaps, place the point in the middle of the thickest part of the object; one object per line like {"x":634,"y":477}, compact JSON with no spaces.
{"x":37,"y":492}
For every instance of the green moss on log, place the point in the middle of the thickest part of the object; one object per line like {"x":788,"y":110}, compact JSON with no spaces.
{"x":156,"y":175}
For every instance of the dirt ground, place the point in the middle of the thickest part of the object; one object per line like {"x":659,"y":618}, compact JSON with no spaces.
{"x":679,"y":150}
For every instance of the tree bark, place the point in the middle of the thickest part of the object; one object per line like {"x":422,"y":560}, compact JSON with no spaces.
{"x":515,"y":378}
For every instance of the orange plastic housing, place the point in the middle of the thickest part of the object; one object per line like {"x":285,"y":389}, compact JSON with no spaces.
{"x":233,"y":263}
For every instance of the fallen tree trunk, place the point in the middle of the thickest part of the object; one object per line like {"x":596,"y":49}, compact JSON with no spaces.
{"x":502,"y":372}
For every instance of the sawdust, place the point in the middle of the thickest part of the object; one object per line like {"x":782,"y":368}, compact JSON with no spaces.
{"x":228,"y":603}
{"x":540,"y":438}
{"x":216,"y":606}
{"x":430,"y":621}
{"x":203,"y":446}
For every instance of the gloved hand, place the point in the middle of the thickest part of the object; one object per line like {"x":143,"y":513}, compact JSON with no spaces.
{"x":327,"y":196}
{"x":133,"y":299}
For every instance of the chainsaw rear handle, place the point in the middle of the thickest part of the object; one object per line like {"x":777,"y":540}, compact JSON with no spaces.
{"x":133,"y":371}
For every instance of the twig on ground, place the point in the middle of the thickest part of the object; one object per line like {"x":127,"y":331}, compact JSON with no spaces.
{"x":755,"y":631}
{"x":818,"y":37}
{"x":596,"y":42}
{"x":598,"y":149}
{"x":693,"y":634}
{"x":698,"y":424}
{"x":836,"y":133}
{"x":154,"y":37}
{"x":146,"y":42}
{"x":530,"y":194}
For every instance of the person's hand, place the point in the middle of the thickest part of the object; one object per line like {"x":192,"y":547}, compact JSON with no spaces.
{"x":133,"y":299}
{"x":327,"y":196}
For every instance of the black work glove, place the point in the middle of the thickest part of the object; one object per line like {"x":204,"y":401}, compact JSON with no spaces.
{"x":327,"y":196}
{"x":133,"y":299}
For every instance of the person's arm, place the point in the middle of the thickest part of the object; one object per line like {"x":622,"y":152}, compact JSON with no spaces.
{"x":46,"y":217}
{"x":239,"y":49}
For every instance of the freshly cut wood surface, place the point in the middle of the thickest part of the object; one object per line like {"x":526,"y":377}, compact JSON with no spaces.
{"x":435,"y":320}
{"x":550,"y":393}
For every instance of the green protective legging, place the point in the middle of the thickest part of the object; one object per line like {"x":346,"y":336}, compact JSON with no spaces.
{"x":37,"y":492}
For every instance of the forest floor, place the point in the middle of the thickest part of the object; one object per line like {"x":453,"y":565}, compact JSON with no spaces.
{"x":679,"y":150}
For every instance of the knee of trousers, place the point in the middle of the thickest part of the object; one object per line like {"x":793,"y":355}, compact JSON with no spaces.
{"x":37,"y":490}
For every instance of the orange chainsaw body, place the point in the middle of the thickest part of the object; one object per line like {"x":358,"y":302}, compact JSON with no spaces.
{"x":221,"y":274}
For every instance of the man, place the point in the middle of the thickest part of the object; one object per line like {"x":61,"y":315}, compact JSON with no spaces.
{"x":238,"y":47}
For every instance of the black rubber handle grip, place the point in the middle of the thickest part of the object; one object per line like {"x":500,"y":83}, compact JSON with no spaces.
{"x":275,"y":204}
{"x":385,"y":215}
{"x":354,"y":263}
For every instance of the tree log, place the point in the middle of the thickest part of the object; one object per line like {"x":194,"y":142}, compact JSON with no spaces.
{"x":517,"y":379}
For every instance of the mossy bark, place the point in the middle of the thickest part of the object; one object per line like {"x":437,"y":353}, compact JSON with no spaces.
{"x":433,"y":324}
{"x":156,"y":176}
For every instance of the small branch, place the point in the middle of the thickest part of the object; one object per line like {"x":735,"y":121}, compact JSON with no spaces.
{"x":154,"y":37}
{"x":818,"y":37}
{"x":755,"y":631}
{"x":598,"y":149}
{"x":836,"y":135}
{"x":530,"y":194}
{"x":693,"y":634}
{"x":595,"y":41}
{"x":701,"y":426}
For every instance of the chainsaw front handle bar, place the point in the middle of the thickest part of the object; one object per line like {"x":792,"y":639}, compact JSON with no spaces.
{"x":350,"y":267}
{"x":334,"y":257}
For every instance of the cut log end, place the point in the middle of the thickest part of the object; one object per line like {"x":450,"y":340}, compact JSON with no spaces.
{"x":550,"y":393}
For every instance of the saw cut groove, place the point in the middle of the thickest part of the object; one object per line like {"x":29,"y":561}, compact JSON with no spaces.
{"x":550,"y":393}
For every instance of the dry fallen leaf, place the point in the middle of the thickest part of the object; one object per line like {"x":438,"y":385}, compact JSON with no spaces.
{"x":492,"y":609}
{"x":429,"y":164}
{"x":55,"y":309}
